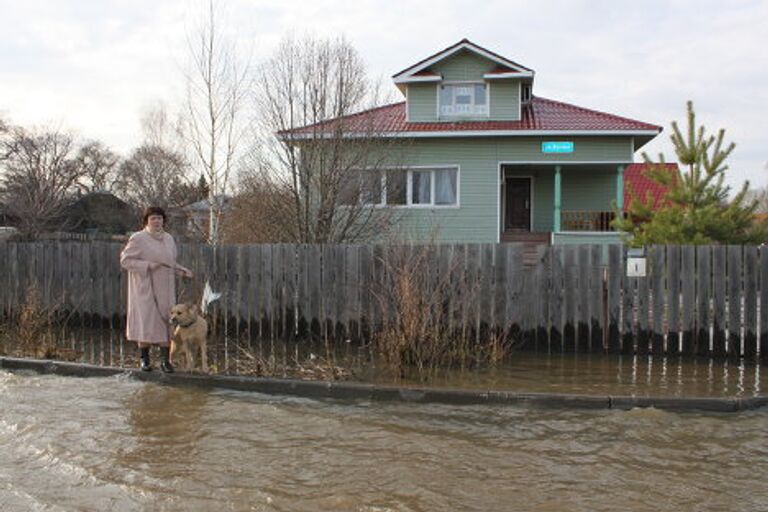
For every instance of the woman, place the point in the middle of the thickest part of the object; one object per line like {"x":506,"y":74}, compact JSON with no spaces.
{"x":150,"y":259}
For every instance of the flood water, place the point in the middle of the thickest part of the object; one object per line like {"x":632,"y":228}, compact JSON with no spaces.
{"x":602,"y":375}
{"x":117,"y":444}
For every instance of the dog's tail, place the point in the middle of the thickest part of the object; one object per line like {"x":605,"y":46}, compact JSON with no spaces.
{"x":208,"y":296}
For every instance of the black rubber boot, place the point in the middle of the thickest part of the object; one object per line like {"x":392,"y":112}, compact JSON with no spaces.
{"x":165,"y":364}
{"x":145,"y":366}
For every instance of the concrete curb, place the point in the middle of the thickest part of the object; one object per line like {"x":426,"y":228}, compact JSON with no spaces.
{"x":361,"y":391}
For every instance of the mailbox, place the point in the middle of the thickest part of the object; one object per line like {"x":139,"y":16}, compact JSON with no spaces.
{"x":636,"y":262}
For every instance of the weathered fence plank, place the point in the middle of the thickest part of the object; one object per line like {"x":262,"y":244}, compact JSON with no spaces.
{"x":514,"y":287}
{"x":613,"y":299}
{"x":542,"y":297}
{"x":643,"y":338}
{"x":704,"y":296}
{"x":556,"y":300}
{"x":750,"y":302}
{"x":571,"y":299}
{"x":657,"y":260}
{"x":629,"y":308}
{"x":718,"y":300}
{"x":498,"y":315}
{"x":688,"y":282}
{"x":764,"y":304}
{"x":673,"y":299}
{"x":352,"y":311}
{"x":583,"y":305}
{"x":734,"y":300}
{"x":597,"y":305}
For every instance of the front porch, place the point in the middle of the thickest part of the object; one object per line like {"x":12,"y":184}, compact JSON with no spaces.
{"x":560,"y":203}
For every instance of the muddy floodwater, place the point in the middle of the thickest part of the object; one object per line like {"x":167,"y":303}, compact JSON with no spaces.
{"x":602,"y":375}
{"x":107,"y":444}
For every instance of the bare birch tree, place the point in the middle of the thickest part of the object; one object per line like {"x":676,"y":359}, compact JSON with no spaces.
{"x":327,"y":153}
{"x":216,"y":86}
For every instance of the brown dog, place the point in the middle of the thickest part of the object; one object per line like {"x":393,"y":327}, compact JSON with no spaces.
{"x":190,"y":335}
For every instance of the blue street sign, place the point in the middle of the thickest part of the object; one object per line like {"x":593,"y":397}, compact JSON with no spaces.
{"x":557,"y":147}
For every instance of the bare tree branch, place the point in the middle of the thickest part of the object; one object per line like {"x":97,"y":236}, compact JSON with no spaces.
{"x":311,"y":94}
{"x":40,"y":174}
{"x":216,"y":86}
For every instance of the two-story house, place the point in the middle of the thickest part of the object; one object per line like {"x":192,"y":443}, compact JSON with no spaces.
{"x":489,"y":161}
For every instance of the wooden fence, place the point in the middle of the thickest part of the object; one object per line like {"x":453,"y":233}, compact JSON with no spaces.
{"x":694,"y":300}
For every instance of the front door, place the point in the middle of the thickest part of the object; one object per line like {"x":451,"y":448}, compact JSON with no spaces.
{"x":517,"y":204}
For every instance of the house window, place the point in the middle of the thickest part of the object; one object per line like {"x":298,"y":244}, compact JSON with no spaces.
{"x":446,"y":186}
{"x":411,"y":187}
{"x":364,"y":187}
{"x":396,"y":187}
{"x":465,"y":99}
{"x":370,"y":190}
{"x":423,"y":187}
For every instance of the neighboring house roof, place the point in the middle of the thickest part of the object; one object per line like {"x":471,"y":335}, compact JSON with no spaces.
{"x":638,"y":185}
{"x":204,"y":205}
{"x":100,"y":211}
{"x":540,"y":116}
{"x":414,"y":73}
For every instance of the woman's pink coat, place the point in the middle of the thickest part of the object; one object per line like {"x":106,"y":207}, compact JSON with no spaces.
{"x":151,"y":294}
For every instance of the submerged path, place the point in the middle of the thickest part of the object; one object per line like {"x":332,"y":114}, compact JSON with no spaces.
{"x":375,"y":392}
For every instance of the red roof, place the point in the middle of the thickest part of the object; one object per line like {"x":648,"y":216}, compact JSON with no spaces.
{"x":539,"y":114}
{"x":636,"y":181}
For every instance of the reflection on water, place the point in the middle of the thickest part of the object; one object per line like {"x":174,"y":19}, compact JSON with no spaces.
{"x":117,"y":444}
{"x":619,"y":375}
{"x":166,"y":426}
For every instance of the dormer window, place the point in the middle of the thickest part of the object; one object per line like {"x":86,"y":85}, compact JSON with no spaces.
{"x":463,"y":99}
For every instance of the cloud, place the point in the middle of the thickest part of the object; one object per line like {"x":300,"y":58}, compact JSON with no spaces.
{"x":94,"y":65}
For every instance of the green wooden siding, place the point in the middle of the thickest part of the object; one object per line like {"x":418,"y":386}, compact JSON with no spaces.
{"x":477,"y":218}
{"x":505,"y":99}
{"x":422,"y":102}
{"x":587,"y":189}
{"x":463,"y":66}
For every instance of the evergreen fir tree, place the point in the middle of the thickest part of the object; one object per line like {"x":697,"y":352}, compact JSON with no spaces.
{"x":202,"y":188}
{"x":695,"y":208}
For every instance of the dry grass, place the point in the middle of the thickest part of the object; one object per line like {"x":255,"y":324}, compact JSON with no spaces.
{"x":311,"y":367}
{"x":428,"y":324}
{"x":36,"y":328}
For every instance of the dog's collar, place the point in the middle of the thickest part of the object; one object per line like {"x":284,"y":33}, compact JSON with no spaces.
{"x":187,"y":325}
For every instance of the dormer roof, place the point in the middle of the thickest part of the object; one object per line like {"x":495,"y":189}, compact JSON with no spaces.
{"x":419,"y":72}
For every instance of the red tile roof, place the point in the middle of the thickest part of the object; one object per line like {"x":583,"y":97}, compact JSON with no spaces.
{"x":636,"y":181}
{"x":540,"y":114}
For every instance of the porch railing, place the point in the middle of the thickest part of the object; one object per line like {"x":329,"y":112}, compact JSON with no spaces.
{"x":586,"y":220}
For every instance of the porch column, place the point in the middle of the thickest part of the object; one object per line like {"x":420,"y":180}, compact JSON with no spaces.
{"x":558,"y":201}
{"x":620,"y":188}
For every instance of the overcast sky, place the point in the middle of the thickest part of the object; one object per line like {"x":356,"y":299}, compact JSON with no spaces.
{"x":93,"y":67}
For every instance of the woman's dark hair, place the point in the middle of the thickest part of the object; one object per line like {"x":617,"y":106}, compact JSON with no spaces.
{"x":152,"y":210}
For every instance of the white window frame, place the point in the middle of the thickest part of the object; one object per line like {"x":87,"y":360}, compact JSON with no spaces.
{"x":409,"y":188}
{"x":485,"y":113}
{"x":432,"y":181}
